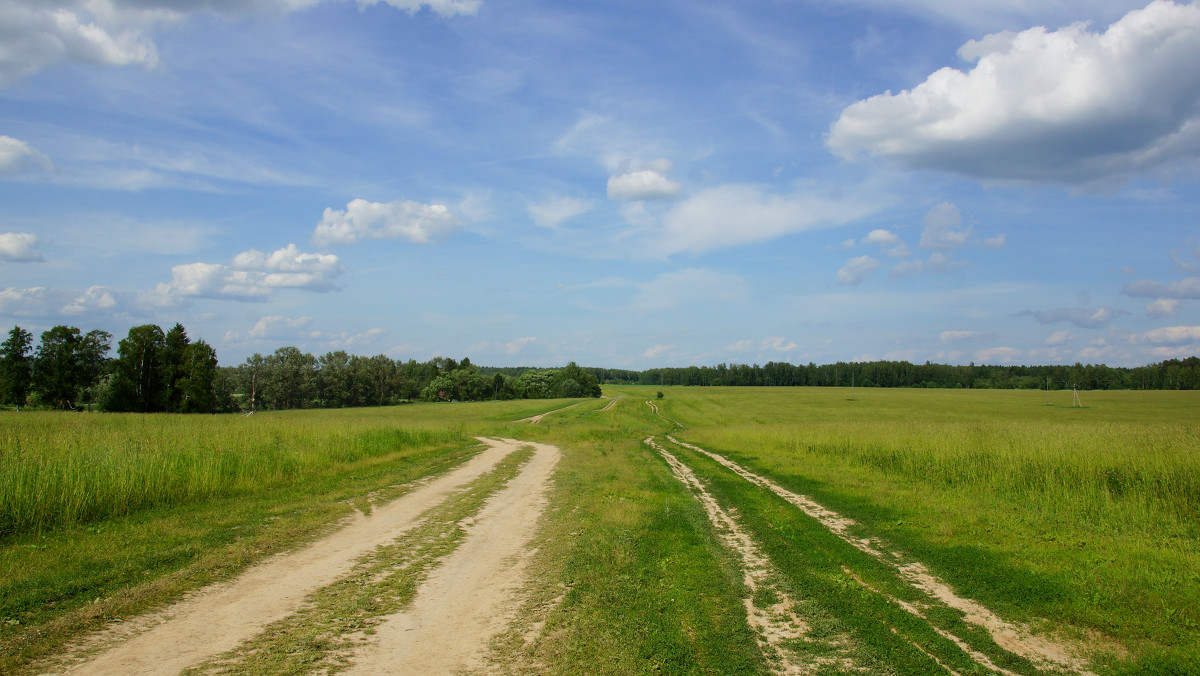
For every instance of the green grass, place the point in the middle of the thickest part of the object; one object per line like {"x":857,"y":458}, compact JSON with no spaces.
{"x":1088,"y":516}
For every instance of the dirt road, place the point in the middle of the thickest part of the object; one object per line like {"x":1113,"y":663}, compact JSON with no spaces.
{"x":489,"y":563}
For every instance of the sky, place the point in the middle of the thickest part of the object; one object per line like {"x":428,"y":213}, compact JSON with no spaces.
{"x":621,"y":184}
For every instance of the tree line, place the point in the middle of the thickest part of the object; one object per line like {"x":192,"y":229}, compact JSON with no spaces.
{"x":1171,"y":374}
{"x":157,"y":371}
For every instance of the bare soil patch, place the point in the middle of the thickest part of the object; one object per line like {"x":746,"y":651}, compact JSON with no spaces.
{"x":471,"y":596}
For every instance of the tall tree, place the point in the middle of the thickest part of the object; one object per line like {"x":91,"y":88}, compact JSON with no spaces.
{"x":175,"y":344}
{"x":196,"y":388}
{"x":16,"y":367}
{"x":57,"y":368}
{"x":93,"y":361}
{"x":139,"y":383}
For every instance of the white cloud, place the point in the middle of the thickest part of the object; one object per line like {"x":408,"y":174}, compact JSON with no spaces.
{"x":1170,"y":335}
{"x":1084,"y":318}
{"x":39,"y":34}
{"x":446,"y":8}
{"x":956,"y":336}
{"x":413,"y":221}
{"x":1059,"y":338}
{"x":1163,"y":307}
{"x":95,"y":299}
{"x":741,"y":346}
{"x":856,"y":270}
{"x":16,"y":156}
{"x":657,"y":351}
{"x":998,"y":355}
{"x":996,"y":242}
{"x":551,"y":212}
{"x":1188,"y":288}
{"x":645,"y":184}
{"x":252,"y":277}
{"x":35,"y":301}
{"x":943,"y":228}
{"x":778,"y":344}
{"x":1068,"y":105}
{"x":515,"y":346}
{"x":730,"y":215}
{"x":19,"y":247}
{"x":881,"y":237}
{"x":938,"y":262}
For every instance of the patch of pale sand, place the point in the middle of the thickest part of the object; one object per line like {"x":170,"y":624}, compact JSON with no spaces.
{"x":610,"y":404}
{"x":1038,"y":649}
{"x":775,"y":624}
{"x":470,"y":597}
{"x":221,"y":616}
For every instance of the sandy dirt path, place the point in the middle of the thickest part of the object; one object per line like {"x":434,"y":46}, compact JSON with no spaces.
{"x":220,"y":617}
{"x":535,"y":419}
{"x":470,"y":597}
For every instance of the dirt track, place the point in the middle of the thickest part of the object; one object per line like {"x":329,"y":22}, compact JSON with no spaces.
{"x":473,"y":582}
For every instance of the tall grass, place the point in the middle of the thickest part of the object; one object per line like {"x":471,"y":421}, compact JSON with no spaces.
{"x":64,"y":469}
{"x":1130,"y":476}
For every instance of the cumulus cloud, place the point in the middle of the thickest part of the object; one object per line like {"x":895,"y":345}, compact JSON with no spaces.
{"x":34,"y":301}
{"x":730,"y":215}
{"x":943,"y":228}
{"x":881,"y":237}
{"x":1163,"y":307}
{"x":937,"y":263}
{"x":1170,"y":335}
{"x":645,"y":184}
{"x":778,"y":344}
{"x":1084,"y":318}
{"x":1187,"y":288}
{"x":253,"y":276}
{"x":39,"y":34}
{"x":657,"y":351}
{"x":413,"y":221}
{"x":18,"y":157}
{"x":1068,"y":105}
{"x":1059,"y":338}
{"x":95,"y":299}
{"x":19,"y":247}
{"x":551,"y":212}
{"x":856,"y":270}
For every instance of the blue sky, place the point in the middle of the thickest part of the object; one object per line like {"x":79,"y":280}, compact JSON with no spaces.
{"x":623,"y":184}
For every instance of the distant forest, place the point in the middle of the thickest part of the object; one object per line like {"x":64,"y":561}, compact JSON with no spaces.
{"x":1172,"y":374}
{"x":157,"y":371}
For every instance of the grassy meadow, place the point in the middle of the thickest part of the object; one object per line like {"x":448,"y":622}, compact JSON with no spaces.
{"x":1082,"y":522}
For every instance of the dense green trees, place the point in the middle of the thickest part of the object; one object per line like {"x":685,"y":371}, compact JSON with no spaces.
{"x":157,"y":372}
{"x":16,"y":367}
{"x":167,"y":371}
{"x":1170,"y":374}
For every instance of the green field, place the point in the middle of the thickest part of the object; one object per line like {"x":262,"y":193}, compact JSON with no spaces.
{"x":1080,"y":523}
